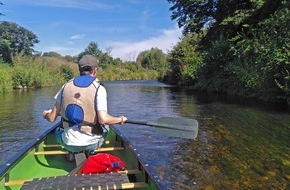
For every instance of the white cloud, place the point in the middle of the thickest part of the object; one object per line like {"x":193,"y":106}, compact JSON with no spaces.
{"x":128,"y":51}
{"x":76,"y":4}
{"x":125,"y":50}
{"x":77,"y":37}
{"x":59,"y":49}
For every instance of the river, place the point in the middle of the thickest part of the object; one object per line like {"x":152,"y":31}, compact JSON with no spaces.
{"x":240,"y":145}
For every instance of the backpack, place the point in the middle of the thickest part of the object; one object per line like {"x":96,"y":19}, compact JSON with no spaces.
{"x":103,"y":163}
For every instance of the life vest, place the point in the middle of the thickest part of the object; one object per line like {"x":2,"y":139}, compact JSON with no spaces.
{"x":78,"y":105}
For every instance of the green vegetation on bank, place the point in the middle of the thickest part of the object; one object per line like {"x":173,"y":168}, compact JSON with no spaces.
{"x":233,"y":47}
{"x":36,"y":72}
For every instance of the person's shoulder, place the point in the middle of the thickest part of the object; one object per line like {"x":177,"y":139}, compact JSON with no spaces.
{"x":71,"y":80}
{"x":98,"y":82}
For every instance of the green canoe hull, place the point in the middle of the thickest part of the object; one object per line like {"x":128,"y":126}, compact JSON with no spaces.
{"x":44,"y":158}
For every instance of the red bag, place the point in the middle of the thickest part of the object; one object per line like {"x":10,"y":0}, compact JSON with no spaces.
{"x":103,"y":163}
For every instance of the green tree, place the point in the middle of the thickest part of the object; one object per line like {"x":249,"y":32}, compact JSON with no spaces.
{"x":92,"y":49}
{"x":51,"y":54}
{"x":69,"y":58}
{"x":193,"y":15}
{"x":105,"y":58}
{"x":117,"y":61}
{"x":1,"y":14}
{"x":66,"y":72}
{"x":153,"y":59}
{"x":185,"y":60}
{"x":5,"y":49}
{"x":221,"y":17}
{"x":262,"y":62}
{"x":15,"y":39}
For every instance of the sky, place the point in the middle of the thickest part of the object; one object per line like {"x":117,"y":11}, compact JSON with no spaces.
{"x":126,"y":27}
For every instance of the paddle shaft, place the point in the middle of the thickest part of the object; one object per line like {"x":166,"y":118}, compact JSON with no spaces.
{"x":159,"y":125}
{"x":137,"y":122}
{"x":177,"y":127}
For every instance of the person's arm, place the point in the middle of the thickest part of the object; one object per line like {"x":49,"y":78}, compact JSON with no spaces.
{"x":106,"y":119}
{"x":51,"y":114}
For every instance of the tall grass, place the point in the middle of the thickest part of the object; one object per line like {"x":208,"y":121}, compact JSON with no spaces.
{"x":37,"y":72}
{"x":29,"y":72}
{"x":5,"y":78}
{"x":126,"y":71}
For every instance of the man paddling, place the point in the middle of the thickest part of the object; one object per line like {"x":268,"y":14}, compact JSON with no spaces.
{"x":82,"y":104}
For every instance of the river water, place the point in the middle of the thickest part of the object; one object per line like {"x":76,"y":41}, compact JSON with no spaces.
{"x":240,"y":145}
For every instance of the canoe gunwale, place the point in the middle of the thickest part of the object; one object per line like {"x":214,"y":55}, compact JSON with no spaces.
{"x":143,"y":166}
{"x":4,"y":170}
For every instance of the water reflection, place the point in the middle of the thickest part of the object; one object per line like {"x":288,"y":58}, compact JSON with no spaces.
{"x":21,"y":120}
{"x":238,"y":146}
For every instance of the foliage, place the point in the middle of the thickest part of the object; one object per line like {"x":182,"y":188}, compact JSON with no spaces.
{"x":267,"y":54}
{"x":29,"y":72}
{"x":69,"y":58}
{"x":215,"y":74}
{"x":92,"y":49}
{"x":51,"y":54}
{"x":193,"y":15}
{"x":36,"y":72}
{"x":105,"y":58}
{"x":1,"y":14}
{"x":5,"y":49}
{"x":53,"y":64}
{"x":220,"y":17}
{"x":154,"y":59}
{"x":66,"y":72}
{"x":126,"y":71}
{"x":245,"y":49}
{"x":5,"y":77}
{"x":15,"y":39}
{"x":185,"y":60}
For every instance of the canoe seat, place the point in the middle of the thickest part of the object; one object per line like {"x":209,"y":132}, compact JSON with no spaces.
{"x":74,"y":172}
{"x":92,"y":181}
{"x":59,"y":146}
{"x":57,"y":152}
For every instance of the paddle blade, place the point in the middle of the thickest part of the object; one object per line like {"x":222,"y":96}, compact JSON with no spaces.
{"x":178,"y":127}
{"x":177,"y":133}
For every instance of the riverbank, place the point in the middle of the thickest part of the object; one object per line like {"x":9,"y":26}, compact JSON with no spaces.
{"x":282,"y":101}
{"x":37,"y":72}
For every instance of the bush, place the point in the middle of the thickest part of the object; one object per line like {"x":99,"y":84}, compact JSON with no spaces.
{"x":66,"y":72}
{"x":29,"y":72}
{"x":37,"y":72}
{"x":5,"y":77}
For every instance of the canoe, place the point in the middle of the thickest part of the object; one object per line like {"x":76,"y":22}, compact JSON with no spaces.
{"x":42,"y":165}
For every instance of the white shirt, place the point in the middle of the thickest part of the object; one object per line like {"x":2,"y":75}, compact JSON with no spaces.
{"x":72,"y":135}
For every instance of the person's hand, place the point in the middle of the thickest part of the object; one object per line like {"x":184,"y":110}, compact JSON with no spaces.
{"x":45,"y":112}
{"x":123,"y":120}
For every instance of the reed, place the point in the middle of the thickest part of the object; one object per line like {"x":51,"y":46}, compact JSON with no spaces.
{"x":37,"y":72}
{"x":5,"y":78}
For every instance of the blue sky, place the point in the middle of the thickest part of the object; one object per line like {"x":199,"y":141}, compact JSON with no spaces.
{"x":127,"y":27}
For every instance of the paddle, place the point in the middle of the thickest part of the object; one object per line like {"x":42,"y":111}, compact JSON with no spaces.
{"x":171,"y":126}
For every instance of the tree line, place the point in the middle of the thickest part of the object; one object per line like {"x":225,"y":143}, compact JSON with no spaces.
{"x":233,"y":47}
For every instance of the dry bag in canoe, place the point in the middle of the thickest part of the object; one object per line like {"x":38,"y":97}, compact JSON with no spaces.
{"x":103,"y":163}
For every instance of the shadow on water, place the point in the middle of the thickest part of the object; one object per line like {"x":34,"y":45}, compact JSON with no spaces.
{"x":238,"y":147}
